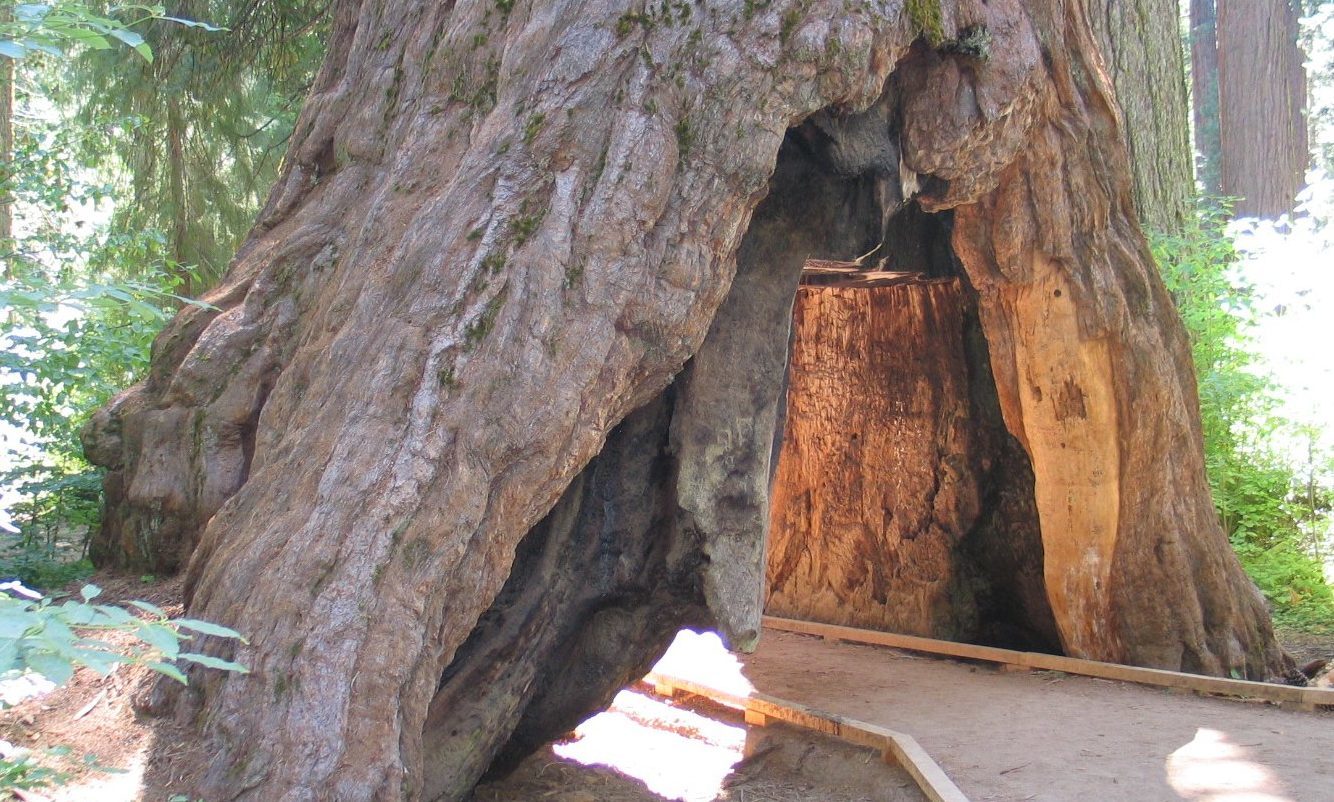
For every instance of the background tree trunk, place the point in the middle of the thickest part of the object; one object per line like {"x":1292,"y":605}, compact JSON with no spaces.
{"x":1204,"y":95}
{"x":1141,"y":46}
{"x":504,"y":229}
{"x":6,"y":150}
{"x":1261,"y":103}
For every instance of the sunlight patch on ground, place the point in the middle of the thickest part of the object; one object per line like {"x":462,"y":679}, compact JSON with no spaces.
{"x":677,"y":754}
{"x":701,"y":657}
{"x":1212,"y":769}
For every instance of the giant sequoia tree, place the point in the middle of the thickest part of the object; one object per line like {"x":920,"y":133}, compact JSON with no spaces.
{"x":486,"y":406}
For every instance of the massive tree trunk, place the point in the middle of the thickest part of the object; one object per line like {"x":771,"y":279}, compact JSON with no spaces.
{"x":486,"y":404}
{"x":1141,"y":45}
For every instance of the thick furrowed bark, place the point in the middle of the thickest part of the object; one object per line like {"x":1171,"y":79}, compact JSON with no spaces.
{"x":1092,"y":368}
{"x":504,"y":228}
{"x":658,"y":532}
{"x":1141,"y":44}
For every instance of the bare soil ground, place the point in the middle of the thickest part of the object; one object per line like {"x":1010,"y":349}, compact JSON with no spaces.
{"x":1002,"y":737}
{"x":115,"y":754}
{"x":1053,"y":737}
{"x":92,"y":719}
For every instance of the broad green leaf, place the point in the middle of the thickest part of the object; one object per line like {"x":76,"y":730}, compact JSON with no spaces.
{"x":52,"y":666}
{"x":77,"y":614}
{"x":90,"y":592}
{"x":127,"y":36}
{"x":160,"y":637}
{"x":98,"y":660}
{"x":167,"y":670}
{"x":54,"y":630}
{"x":207,"y":628}
{"x":116,"y":616}
{"x":44,"y":47}
{"x":214,"y":662}
{"x":9,"y":656}
{"x":149,"y":607}
{"x":13,"y":623}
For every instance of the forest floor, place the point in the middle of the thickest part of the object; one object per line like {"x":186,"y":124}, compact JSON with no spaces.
{"x":1002,"y":737}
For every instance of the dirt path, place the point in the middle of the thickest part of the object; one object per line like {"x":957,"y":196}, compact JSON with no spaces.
{"x":1052,"y":737}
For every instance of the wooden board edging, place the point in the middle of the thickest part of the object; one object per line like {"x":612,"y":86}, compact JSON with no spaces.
{"x":1304,"y":698}
{"x":896,"y":747}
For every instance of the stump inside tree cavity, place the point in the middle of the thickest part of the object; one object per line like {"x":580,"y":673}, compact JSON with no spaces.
{"x":900,"y":502}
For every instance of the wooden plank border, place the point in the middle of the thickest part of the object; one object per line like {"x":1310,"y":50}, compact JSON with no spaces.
{"x":896,"y":747}
{"x":1285,"y":695}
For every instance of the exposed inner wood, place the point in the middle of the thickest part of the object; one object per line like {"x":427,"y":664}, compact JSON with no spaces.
{"x":900,"y":503}
{"x":825,"y":273}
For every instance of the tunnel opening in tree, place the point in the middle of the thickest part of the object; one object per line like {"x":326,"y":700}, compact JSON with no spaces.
{"x":665,"y":527}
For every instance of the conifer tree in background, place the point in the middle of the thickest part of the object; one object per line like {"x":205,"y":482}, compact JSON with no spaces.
{"x":182,"y":141}
{"x":201,"y":129}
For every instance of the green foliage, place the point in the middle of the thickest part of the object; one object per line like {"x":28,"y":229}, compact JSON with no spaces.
{"x":1292,"y":582}
{"x":53,"y":639}
{"x":80,"y":303}
{"x":53,"y":28}
{"x":25,"y":773}
{"x":1272,"y":515}
{"x":68,"y":346}
{"x":195,"y":138}
{"x":39,"y":565}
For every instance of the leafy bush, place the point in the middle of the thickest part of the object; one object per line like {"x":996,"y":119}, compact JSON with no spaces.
{"x":68,"y":346}
{"x":51,"y":639}
{"x":1271,"y":513}
{"x":40,"y":566}
{"x":1293,"y":583}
